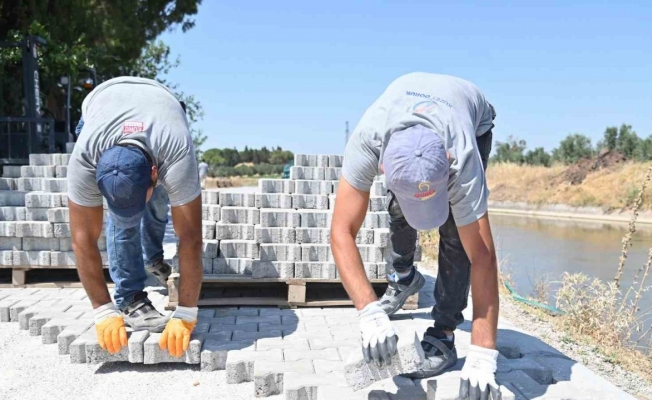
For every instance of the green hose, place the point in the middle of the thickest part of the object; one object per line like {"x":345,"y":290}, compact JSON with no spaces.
{"x":517,"y":297}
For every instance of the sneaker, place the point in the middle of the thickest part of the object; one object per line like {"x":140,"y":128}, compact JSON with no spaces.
{"x":142,"y":316}
{"x":398,"y":292}
{"x":161,"y":271}
{"x":440,"y":354}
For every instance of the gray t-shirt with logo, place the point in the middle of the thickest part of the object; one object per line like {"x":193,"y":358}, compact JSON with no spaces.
{"x":453,"y":108}
{"x":142,"y":112}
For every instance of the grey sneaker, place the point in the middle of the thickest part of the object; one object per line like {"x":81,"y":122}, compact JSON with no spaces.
{"x":440,"y":354}
{"x":142,"y":316}
{"x":397,"y":293}
{"x":161,"y":271}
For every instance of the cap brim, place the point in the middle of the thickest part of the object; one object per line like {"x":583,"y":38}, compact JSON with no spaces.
{"x":425,"y":215}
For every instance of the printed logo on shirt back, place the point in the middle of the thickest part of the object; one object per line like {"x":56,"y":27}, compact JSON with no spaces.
{"x":132,"y":127}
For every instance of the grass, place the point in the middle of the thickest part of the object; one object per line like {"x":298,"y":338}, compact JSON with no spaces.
{"x":612,"y":188}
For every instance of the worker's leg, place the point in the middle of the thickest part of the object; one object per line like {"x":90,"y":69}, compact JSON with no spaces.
{"x":152,"y":232}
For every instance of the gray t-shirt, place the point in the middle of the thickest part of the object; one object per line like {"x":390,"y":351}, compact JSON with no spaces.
{"x":142,"y":112}
{"x":453,"y":108}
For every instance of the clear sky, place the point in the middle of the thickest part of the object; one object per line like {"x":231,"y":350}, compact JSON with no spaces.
{"x":290,"y":73}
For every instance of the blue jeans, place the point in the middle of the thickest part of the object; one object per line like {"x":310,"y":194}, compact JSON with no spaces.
{"x":454,"y":273}
{"x":133,"y":248}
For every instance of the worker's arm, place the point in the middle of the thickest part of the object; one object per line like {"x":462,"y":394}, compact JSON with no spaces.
{"x":350,"y":210}
{"x":86,"y":228}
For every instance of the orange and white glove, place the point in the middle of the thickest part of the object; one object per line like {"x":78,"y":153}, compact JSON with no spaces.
{"x":176,"y":335}
{"x":110,"y":328}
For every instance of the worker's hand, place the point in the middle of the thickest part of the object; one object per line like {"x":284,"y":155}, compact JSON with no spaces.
{"x":176,"y":335}
{"x":110,"y":328}
{"x":378,"y":335}
{"x":478,"y":380}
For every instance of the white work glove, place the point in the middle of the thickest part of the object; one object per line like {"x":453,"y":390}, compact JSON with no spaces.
{"x":378,"y":335}
{"x":478,"y":379}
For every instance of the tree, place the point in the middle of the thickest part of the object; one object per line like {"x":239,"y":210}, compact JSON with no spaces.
{"x":643,"y":151}
{"x":510,"y":151}
{"x":573,"y":148}
{"x":538,"y":156}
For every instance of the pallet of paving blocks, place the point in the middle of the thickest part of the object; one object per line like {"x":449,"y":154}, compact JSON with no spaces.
{"x":272,"y":246}
{"x":34,"y":222}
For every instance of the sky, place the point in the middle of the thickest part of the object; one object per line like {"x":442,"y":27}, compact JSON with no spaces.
{"x":291,"y":73}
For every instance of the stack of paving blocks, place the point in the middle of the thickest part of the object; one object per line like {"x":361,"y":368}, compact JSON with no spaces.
{"x":283,"y":230}
{"x":34,"y":224}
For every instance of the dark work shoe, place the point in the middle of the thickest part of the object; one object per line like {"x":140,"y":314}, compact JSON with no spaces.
{"x":398,"y":292}
{"x":439,"y":351}
{"x":161,"y":271}
{"x":142,"y":316}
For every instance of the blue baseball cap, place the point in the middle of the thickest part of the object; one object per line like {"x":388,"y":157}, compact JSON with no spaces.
{"x":416,"y":171}
{"x":123,"y":177}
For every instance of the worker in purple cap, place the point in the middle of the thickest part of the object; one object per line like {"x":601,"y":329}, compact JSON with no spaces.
{"x":134,"y":150}
{"x":430,"y":135}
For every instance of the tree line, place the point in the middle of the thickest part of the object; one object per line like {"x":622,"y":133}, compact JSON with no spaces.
{"x":232,"y":162}
{"x":575,"y":147}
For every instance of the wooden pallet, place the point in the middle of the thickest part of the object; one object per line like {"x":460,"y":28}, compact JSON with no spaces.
{"x":235,"y":290}
{"x":44,"y":277}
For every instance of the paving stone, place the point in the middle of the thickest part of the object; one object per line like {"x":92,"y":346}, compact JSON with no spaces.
{"x":36,"y":214}
{"x":27,"y":171}
{"x":280,"y":252}
{"x":11,"y":214}
{"x":508,"y":350}
{"x":207,"y":265}
{"x":270,"y":319}
{"x":55,"y":185}
{"x":54,"y":327}
{"x":241,"y":266}
{"x":337,"y":392}
{"x":275,"y":235}
{"x":329,"y":354}
{"x":320,"y":344}
{"x":538,"y":372}
{"x":301,"y":386}
{"x":310,"y":160}
{"x":34,"y":229}
{"x":133,"y":352}
{"x":233,"y":199}
{"x":41,"y":244}
{"x":58,"y":215}
{"x":11,"y":244}
{"x":9,"y":184}
{"x":31,"y":258}
{"x":378,"y":189}
{"x":61,"y":171}
{"x":279,"y":218}
{"x":381,"y":237}
{"x":309,"y":201}
{"x":313,"y":187}
{"x":44,"y":159}
{"x":240,"y":364}
{"x":239,"y":249}
{"x":365,"y":236}
{"x":371,"y":253}
{"x":154,"y":355}
{"x":211,"y":212}
{"x":209,"y":249}
{"x":214,"y":353}
{"x":522,"y":383}
{"x":210,"y":197}
{"x":29,"y":184}
{"x":7,"y":258}
{"x":240,"y":215}
{"x":234,"y":231}
{"x":332,"y":174}
{"x":409,"y":358}
{"x":307,"y":173}
{"x":208,"y":229}
{"x":10,"y":171}
{"x":316,"y":252}
{"x":21,"y":304}
{"x":313,"y":235}
{"x":378,"y":203}
{"x":281,"y":343}
{"x":77,"y":349}
{"x":273,"y":200}
{"x":335,"y":161}
{"x":318,"y":270}
{"x":276,"y":186}
{"x":40,"y":319}
{"x":315,"y":218}
{"x":220,"y":319}
{"x":248,"y":327}
{"x":272,"y":269}
{"x":50,"y":306}
{"x":42,"y":199}
{"x":268,"y":375}
{"x":5,"y":305}
{"x":375,"y":220}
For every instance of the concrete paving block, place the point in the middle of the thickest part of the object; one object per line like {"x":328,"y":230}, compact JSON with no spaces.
{"x":274,"y":200}
{"x":19,"y":306}
{"x":43,"y":306}
{"x":321,"y":344}
{"x":272,"y":218}
{"x":281,"y":343}
{"x":332,"y":174}
{"x":272,"y":269}
{"x":62,"y":230}
{"x":508,"y":350}
{"x":257,"y":335}
{"x":381,"y":237}
{"x":335,"y":161}
{"x":30,"y":184}
{"x":32,"y":258}
{"x":12,"y":198}
{"x":378,"y":203}
{"x":133,"y":352}
{"x":233,"y":199}
{"x":336,"y":184}
{"x":210,"y":248}
{"x":55,"y":185}
{"x":319,"y":270}
{"x":51,"y":330}
{"x":38,"y":229}
{"x":280,"y":252}
{"x":371,"y":270}
{"x":62,"y":259}
{"x":9,"y":214}
{"x":36,"y":214}
{"x":316,"y":252}
{"x":208,"y":229}
{"x":207,"y":265}
{"x":10,"y":171}
{"x":378,"y":189}
{"x":313,"y":235}
{"x":211,"y":212}
{"x":375,"y":220}
{"x":371,"y":253}
{"x":240,"y":364}
{"x":240,"y":215}
{"x":234,"y":231}
{"x":154,"y":355}
{"x":210,"y":197}
{"x":232,"y":266}
{"x":315,"y":218}
{"x":6,"y":258}
{"x":408,"y":358}
{"x":61,"y":171}
{"x":214,"y":353}
{"x":44,"y":159}
{"x":311,"y":160}
{"x":330,"y":354}
{"x":540,"y":373}
{"x":5,"y":306}
{"x":274,"y":235}
{"x":77,"y":349}
{"x":337,"y":392}
{"x":8,"y":184}
{"x":309,"y":202}
{"x":239,"y":249}
{"x":39,"y":320}
{"x":27,"y":171}
{"x":136,"y":346}
{"x":298,"y":386}
{"x":312,"y":187}
{"x":43,"y":200}
{"x":58,"y":215}
{"x":268,"y":375}
{"x":11,"y":244}
{"x":307,"y":173}
{"x":276,"y":186}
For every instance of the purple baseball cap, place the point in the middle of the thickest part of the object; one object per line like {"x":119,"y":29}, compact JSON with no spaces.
{"x":416,"y":171}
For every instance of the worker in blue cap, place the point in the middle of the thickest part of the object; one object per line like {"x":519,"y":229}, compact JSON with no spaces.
{"x":134,"y":150}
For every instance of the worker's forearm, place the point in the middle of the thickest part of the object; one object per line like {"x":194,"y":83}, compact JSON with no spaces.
{"x":351,"y":270}
{"x":91,"y":274}
{"x":484,"y":285}
{"x":190,"y":271}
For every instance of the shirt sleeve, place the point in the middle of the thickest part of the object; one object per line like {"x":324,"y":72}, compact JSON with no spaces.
{"x":360,"y":164}
{"x":469,"y":193}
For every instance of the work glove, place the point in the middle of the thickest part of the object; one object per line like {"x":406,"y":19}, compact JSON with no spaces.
{"x":110,"y":328}
{"x":378,"y":336}
{"x":176,"y":335}
{"x":478,"y":380}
